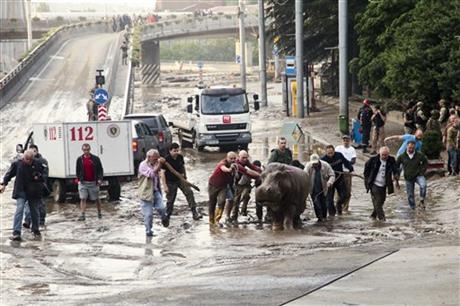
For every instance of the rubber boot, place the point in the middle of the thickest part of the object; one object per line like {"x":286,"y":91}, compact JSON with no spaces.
{"x":218,"y":214}
{"x":228,"y":210}
{"x":196,"y":214}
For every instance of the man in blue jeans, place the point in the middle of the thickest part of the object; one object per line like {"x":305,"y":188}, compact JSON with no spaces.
{"x":414,"y":164}
{"x":28,"y":186}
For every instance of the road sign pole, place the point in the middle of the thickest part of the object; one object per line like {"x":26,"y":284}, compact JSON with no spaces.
{"x":262,"y":55}
{"x":299,"y":56}
{"x":242,"y":44}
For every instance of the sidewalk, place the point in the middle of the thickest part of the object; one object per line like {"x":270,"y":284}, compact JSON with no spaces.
{"x":412,"y":276}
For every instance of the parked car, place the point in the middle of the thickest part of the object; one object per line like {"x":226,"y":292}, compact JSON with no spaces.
{"x":143,"y":140}
{"x":158,"y":125}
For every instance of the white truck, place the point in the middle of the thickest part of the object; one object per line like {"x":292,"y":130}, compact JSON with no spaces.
{"x":218,"y":117}
{"x":60,"y":144}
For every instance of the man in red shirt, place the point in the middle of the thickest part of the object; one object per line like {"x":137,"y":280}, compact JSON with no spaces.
{"x":218,"y":182}
{"x":89,"y":174}
{"x":246,"y":172}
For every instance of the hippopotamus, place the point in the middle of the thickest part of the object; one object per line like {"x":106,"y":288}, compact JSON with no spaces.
{"x":284,"y":190}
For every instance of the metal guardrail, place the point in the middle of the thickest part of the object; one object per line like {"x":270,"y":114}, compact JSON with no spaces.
{"x":9,"y":81}
{"x":190,"y":25}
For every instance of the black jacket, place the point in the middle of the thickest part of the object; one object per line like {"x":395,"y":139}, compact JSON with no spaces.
{"x":371,"y":169}
{"x":97,"y":166}
{"x":29,"y":179}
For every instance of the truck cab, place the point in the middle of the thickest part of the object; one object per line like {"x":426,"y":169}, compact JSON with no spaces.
{"x":218,"y":117}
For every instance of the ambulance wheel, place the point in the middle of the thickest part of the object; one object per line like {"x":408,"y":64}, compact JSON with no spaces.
{"x":58,"y":191}
{"x":114,"y":189}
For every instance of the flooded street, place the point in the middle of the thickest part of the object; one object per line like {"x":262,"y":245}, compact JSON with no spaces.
{"x":111,"y":261}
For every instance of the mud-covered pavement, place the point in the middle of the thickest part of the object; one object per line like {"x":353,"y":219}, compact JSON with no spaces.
{"x":111,"y":262}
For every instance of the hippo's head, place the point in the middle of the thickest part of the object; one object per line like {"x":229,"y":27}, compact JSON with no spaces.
{"x":275,"y":184}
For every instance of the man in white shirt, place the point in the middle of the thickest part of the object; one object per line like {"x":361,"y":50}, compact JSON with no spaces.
{"x":350,"y":154}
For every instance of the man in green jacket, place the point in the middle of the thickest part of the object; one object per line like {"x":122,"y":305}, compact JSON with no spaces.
{"x":414,"y":164}
{"x":282,"y":154}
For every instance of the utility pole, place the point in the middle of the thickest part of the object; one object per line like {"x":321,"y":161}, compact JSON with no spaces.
{"x":29,"y":24}
{"x":262,"y":55}
{"x":343,"y":71}
{"x":299,"y":56}
{"x":242,"y":44}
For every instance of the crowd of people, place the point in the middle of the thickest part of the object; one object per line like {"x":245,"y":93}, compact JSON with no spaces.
{"x":445,"y":122}
{"x":234,"y":177}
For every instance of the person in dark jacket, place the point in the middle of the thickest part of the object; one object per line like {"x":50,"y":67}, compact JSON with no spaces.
{"x":414,"y":164}
{"x":379,"y":172}
{"x":28,"y":186}
{"x":42,"y":206}
{"x":172,"y":183}
{"x":282,"y":154}
{"x":337,"y":161}
{"x":365,"y":117}
{"x":90,"y":175}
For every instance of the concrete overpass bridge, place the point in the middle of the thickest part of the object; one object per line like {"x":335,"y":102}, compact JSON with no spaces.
{"x":186,"y":27}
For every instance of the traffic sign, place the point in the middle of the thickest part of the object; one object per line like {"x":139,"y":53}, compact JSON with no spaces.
{"x":102,"y":113}
{"x":238,"y":59}
{"x":290,"y":65}
{"x":101,"y":96}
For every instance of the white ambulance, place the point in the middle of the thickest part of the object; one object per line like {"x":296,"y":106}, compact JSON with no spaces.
{"x":60,"y":144}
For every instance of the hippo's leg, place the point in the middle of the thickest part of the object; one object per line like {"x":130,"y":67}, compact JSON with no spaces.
{"x":278,"y":218}
{"x":289,"y":217}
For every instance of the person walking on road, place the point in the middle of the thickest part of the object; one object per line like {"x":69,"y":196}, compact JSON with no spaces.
{"x":365,"y":117}
{"x":28,"y":186}
{"x":350,"y":154}
{"x":124,"y":53}
{"x":90,"y":175}
{"x":379,"y":172}
{"x":219,"y":180}
{"x":247,"y":171}
{"x":378,"y":132}
{"x":417,"y":138}
{"x":337,"y":161}
{"x":414,"y":164}
{"x":452,"y":147}
{"x":282,"y":154}
{"x":149,"y":190}
{"x":41,"y":206}
{"x":172,"y":182}
{"x":321,"y":179}
{"x":409,"y":119}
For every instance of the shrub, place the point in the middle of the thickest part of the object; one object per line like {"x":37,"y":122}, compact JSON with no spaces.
{"x":432,"y":144}
{"x":59,"y":18}
{"x":35,"y":19}
{"x":82,"y":18}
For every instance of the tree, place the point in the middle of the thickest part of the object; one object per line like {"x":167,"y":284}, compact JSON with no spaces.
{"x":43,"y":7}
{"x":408,"y":49}
{"x":320,"y":26}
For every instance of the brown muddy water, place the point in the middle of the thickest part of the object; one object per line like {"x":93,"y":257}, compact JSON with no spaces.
{"x":111,"y":262}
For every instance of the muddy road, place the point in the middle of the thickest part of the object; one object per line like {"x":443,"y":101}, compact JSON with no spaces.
{"x":111,"y":262}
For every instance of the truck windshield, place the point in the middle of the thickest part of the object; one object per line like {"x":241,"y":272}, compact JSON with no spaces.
{"x":226,"y":104}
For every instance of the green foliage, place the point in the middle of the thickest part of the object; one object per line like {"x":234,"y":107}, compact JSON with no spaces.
{"x":409,"y":49}
{"x":195,"y":50}
{"x":320,"y":26}
{"x":136,"y":43}
{"x":432,"y":144}
{"x":35,"y":19}
{"x":43,"y":7}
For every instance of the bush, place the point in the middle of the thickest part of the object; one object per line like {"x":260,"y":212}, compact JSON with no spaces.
{"x":59,"y":18}
{"x":35,"y":19}
{"x":432,"y":144}
{"x":82,"y":18}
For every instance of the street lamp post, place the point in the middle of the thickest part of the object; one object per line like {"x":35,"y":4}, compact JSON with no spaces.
{"x":343,"y":71}
{"x":299,"y":56}
{"x":29,"y":24}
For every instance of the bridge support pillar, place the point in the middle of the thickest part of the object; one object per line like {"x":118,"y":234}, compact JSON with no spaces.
{"x":150,"y":65}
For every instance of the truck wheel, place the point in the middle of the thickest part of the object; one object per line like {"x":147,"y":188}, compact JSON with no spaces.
{"x":244,"y":146}
{"x":114,"y":189}
{"x":58,"y":191}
